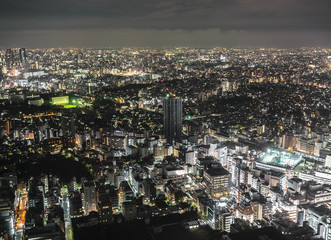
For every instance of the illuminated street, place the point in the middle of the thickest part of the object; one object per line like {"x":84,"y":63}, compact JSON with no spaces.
{"x":20,"y":215}
{"x":66,"y":210}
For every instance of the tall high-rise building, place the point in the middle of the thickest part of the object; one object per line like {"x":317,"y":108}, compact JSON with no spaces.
{"x":9,"y":58}
{"x":22,"y":55}
{"x":172,"y":118}
{"x":90,"y":197}
{"x":68,"y":125}
{"x":79,"y":57}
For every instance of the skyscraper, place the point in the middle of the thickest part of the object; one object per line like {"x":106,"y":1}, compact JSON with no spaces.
{"x":172,"y":118}
{"x":22,"y":55}
{"x":90,"y":197}
{"x":9,"y":58}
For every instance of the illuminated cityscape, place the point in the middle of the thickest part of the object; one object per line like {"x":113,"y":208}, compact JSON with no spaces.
{"x":223,"y":140}
{"x":165,"y":119}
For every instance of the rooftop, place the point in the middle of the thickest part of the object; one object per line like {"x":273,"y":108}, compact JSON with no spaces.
{"x":219,"y":171}
{"x":280,"y":158}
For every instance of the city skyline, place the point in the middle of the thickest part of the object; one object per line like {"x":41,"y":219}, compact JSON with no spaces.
{"x":178,"y":143}
{"x":165,"y":119}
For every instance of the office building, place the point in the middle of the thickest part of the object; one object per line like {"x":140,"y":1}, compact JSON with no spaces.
{"x":217,"y":181}
{"x":172,"y":118}
{"x":22,"y":55}
{"x":90,"y":197}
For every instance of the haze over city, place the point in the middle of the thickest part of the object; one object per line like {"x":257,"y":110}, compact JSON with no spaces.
{"x":165,"y":23}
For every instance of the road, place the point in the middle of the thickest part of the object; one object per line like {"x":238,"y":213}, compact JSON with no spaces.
{"x":21,"y":212}
{"x":20,"y":215}
{"x":67,"y":220}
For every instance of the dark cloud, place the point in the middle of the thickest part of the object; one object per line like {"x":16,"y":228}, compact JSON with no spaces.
{"x":282,"y":19}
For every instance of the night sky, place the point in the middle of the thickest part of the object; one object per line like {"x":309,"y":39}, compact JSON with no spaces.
{"x":165,"y":23}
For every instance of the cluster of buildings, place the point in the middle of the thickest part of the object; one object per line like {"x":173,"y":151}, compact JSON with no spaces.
{"x":229,"y":140}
